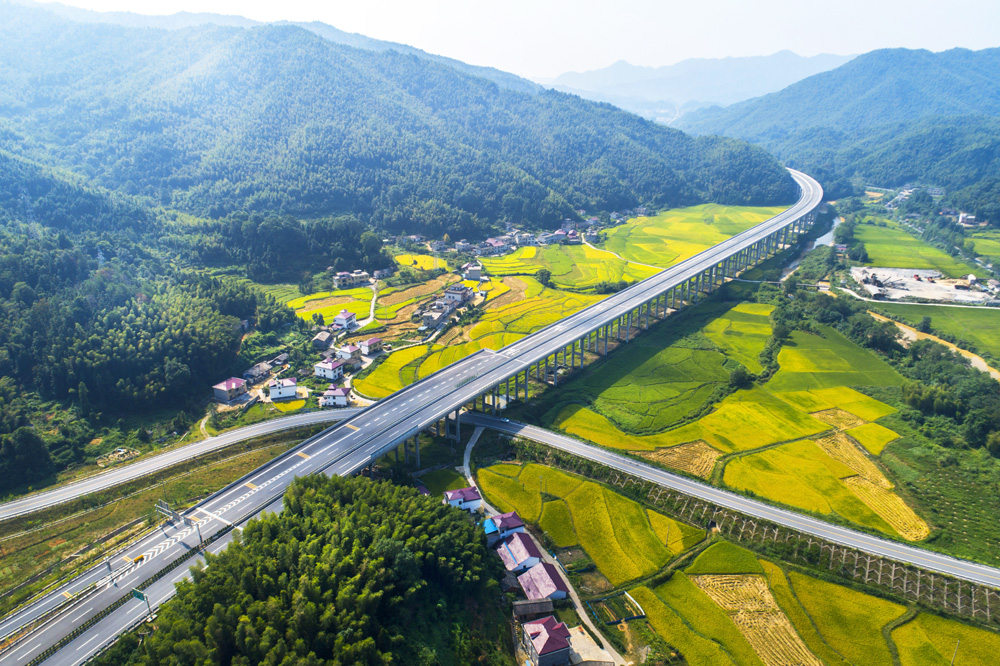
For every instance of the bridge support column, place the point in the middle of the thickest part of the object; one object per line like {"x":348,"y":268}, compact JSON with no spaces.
{"x":451,"y":426}
{"x":607,"y":330}
{"x":416,"y":447}
{"x":396,"y":452}
{"x":628,"y":329}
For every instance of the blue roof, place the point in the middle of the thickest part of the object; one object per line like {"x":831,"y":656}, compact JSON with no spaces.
{"x":489,"y":526}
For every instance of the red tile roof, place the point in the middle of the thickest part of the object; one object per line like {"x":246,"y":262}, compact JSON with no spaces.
{"x":541,"y":581}
{"x":517,"y":549}
{"x":547,"y":635}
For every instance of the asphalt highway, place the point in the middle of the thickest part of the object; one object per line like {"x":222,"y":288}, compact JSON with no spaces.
{"x":146,"y":466}
{"x":348,"y":447}
{"x":925,"y":559}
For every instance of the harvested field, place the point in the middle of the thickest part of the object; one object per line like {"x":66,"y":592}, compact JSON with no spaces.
{"x":752,"y":608}
{"x":696,"y":457}
{"x":890,"y":507}
{"x":838,"y":418}
{"x":839,"y":447}
{"x":665,"y":621}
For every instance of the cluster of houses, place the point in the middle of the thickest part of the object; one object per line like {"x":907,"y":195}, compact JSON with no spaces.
{"x":547,"y":641}
{"x":453,"y":298}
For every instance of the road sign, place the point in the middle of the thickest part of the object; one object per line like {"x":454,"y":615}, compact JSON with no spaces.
{"x":139,"y":594}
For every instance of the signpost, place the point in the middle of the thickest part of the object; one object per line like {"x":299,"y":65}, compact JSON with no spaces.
{"x":139,"y":594}
{"x":164,"y":509}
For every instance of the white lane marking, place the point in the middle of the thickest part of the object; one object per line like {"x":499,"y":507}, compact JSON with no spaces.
{"x":80,"y":615}
{"x":29,"y":652}
{"x":88,"y":642}
{"x":212,"y":515}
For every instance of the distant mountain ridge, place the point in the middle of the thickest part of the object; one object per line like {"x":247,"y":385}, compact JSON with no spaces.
{"x":276,"y":120}
{"x":888,"y":117}
{"x":693,"y":83}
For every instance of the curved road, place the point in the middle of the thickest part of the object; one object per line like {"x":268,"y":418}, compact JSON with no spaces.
{"x":844,"y":536}
{"x":146,"y":466}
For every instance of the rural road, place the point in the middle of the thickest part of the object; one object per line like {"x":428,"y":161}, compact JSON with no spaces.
{"x":912,"y":334}
{"x":977,"y":573}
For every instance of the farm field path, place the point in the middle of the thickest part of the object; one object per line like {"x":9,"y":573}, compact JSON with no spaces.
{"x":597,"y":249}
{"x":912,"y":334}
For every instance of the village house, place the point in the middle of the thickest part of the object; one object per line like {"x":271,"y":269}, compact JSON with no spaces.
{"x":257,"y":372}
{"x":322,"y":340}
{"x":543,"y":581}
{"x":371,"y":346}
{"x":230,"y":390}
{"x":335,"y":397}
{"x":472,"y":271}
{"x":547,"y":642}
{"x":282,"y":389}
{"x":502,"y":526}
{"x":524,"y":238}
{"x":437,"y":246}
{"x":432,"y":319}
{"x":383,"y":273}
{"x":329,"y":369}
{"x":573,"y":238}
{"x":344,"y":280}
{"x":547,"y":239}
{"x":458,"y":294}
{"x":345,"y":320}
{"x":518,"y":552}
{"x":468,"y":499}
{"x":351,"y":354}
{"x":463,"y":246}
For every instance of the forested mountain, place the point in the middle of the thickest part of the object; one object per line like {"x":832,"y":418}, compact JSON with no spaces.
{"x":213,"y":120}
{"x":350,"y":572}
{"x":667,"y":92}
{"x":888,"y":117}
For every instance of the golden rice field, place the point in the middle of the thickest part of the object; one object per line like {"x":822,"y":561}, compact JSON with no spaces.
{"x":873,"y":437}
{"x":623,"y":539}
{"x":676,"y":235}
{"x":844,"y":451}
{"x":577,"y":267}
{"x":390,"y":375}
{"x":890,"y":507}
{"x":422,"y":262}
{"x":843,"y":398}
{"x":929,"y":640}
{"x":330,"y":303}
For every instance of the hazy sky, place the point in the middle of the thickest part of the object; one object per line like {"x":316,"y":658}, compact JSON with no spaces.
{"x":543,"y":38}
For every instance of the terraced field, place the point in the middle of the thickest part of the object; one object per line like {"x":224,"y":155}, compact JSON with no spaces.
{"x":514,"y":308}
{"x":890,"y":246}
{"x":577,"y":267}
{"x":330,"y":303}
{"x":754,"y":612}
{"x":676,"y":235}
{"x":624,"y":540}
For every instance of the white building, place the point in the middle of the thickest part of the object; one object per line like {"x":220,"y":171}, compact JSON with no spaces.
{"x":335,"y":397}
{"x":345,"y":320}
{"x":281,"y":389}
{"x":329,"y":369}
{"x":371,"y":346}
{"x":468,"y":499}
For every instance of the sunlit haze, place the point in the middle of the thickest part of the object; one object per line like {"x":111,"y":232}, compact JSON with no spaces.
{"x":543,"y":39}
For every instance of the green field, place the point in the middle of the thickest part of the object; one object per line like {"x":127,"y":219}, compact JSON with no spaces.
{"x":441,"y":480}
{"x":724,"y":558}
{"x":392,"y":374}
{"x":624,"y":540}
{"x":577,"y":267}
{"x":980,"y":326}
{"x":929,"y":640}
{"x":676,"y":235}
{"x":987,"y":244}
{"x":668,"y":373}
{"x":828,"y":360}
{"x":892,"y":247}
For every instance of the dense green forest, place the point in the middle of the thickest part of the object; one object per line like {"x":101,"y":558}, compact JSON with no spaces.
{"x":888,"y":117}
{"x":351,"y":572}
{"x":276,"y":120}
